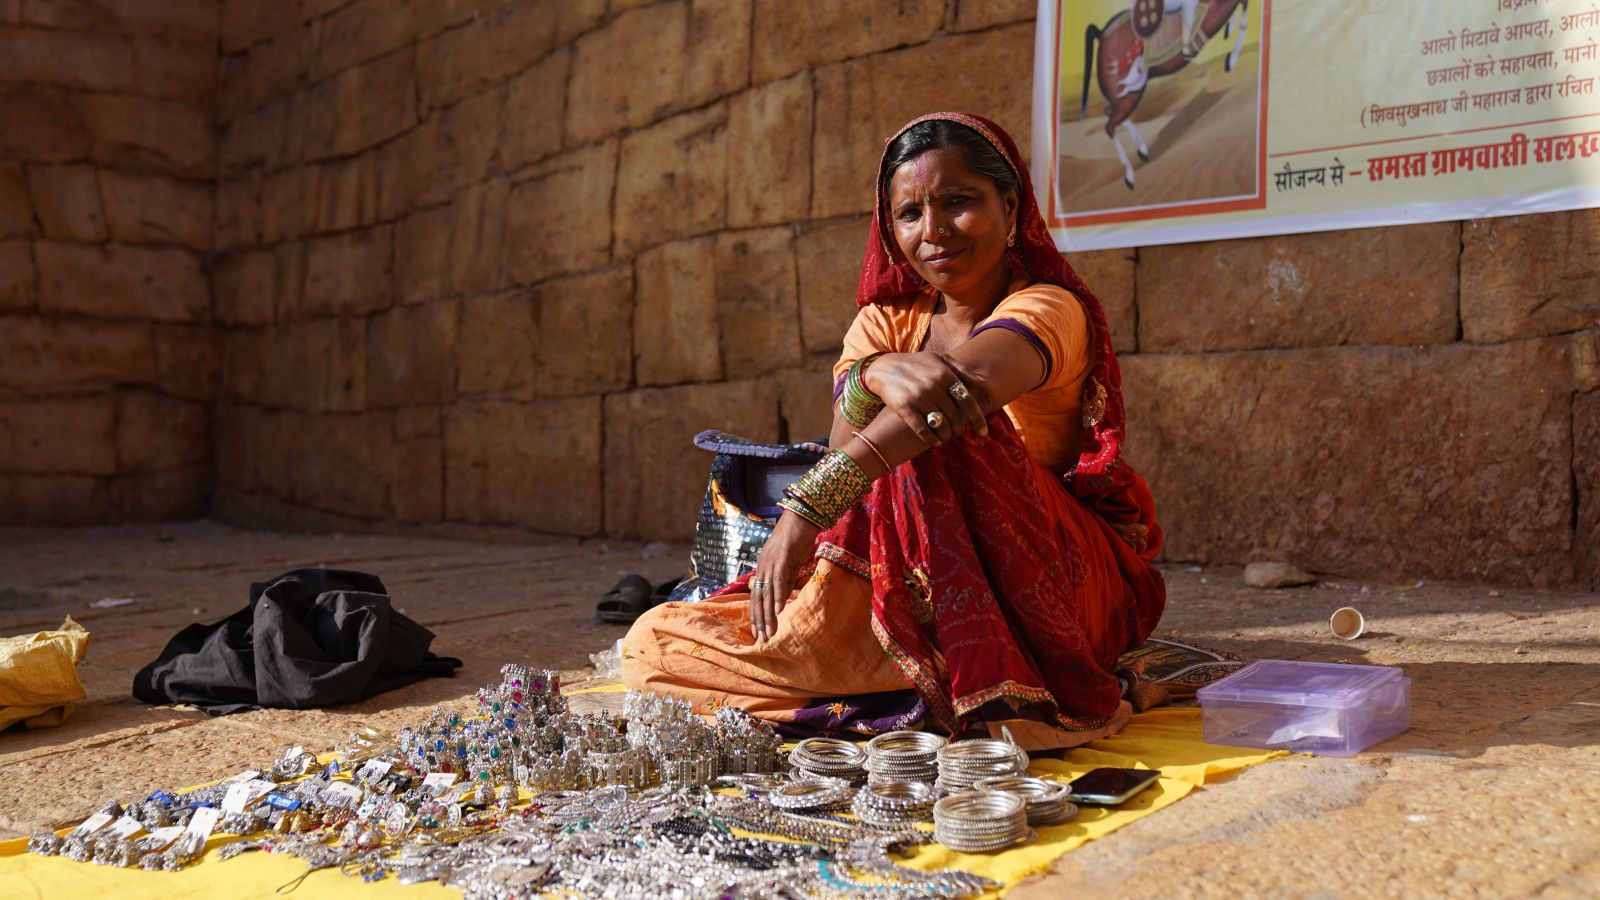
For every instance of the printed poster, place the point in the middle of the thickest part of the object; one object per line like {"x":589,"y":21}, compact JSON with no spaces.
{"x":1167,"y":121}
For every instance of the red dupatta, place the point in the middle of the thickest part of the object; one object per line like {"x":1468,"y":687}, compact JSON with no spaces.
{"x":1101,"y":477}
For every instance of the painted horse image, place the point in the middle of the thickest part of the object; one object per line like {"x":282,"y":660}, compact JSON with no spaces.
{"x":1147,"y":42}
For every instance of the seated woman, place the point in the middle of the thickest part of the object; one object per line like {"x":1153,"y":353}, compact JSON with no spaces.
{"x":975,"y":535}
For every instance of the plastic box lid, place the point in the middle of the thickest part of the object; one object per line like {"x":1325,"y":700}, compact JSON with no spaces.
{"x":1294,"y":683}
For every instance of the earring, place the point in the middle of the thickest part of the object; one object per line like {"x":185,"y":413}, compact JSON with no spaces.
{"x":1011,"y":239}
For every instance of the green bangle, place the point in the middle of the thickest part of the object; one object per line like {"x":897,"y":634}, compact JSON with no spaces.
{"x":859,"y":405}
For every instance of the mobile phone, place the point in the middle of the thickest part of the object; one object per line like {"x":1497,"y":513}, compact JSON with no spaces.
{"x":1110,"y":787}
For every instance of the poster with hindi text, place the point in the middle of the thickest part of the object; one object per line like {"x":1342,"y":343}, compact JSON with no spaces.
{"x":1167,"y":121}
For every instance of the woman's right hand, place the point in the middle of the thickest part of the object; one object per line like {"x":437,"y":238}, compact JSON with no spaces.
{"x":912,"y":385}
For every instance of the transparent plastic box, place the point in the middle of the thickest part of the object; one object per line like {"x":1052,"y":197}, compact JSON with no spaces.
{"x":1329,"y":708}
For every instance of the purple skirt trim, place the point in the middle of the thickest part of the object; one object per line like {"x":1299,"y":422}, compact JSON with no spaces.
{"x":864,"y":715}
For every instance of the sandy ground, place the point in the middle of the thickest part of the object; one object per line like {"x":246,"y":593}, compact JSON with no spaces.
{"x":1494,"y":792}
{"x":1200,"y":125}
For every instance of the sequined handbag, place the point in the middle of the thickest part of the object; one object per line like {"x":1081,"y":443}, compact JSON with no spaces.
{"x":740,"y":507}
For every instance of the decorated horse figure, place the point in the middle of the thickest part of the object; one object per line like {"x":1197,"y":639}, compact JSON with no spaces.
{"x":1149,"y":41}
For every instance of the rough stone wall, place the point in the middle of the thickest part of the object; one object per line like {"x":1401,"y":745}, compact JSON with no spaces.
{"x":492,"y":264}
{"x":1417,"y":400}
{"x":108,"y":358}
{"x":485,"y":266}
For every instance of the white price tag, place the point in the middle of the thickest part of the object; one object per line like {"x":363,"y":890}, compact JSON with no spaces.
{"x":166,"y":834}
{"x":373,"y":770}
{"x":92,"y":824}
{"x":126,"y":827}
{"x":203,"y":821}
{"x":242,"y":795}
{"x":343,"y":790}
{"x":440,"y":780}
{"x":246,"y":775}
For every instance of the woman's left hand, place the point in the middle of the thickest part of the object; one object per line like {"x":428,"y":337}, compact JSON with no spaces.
{"x":791,"y":546}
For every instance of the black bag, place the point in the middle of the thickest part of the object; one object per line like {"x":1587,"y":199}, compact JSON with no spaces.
{"x":308,"y":638}
{"x":740,"y":507}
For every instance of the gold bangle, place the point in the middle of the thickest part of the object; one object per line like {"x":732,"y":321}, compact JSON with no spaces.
{"x":830,"y":488}
{"x":804,"y":511}
{"x":875,"y":451}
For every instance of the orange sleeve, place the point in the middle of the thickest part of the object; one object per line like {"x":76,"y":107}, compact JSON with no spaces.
{"x":870,"y":333}
{"x":1052,"y":320}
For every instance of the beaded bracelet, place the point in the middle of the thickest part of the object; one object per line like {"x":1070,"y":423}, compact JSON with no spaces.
{"x":825,"y":493}
{"x":858,"y":404}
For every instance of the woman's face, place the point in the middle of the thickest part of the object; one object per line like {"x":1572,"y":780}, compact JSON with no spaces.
{"x":950,"y":221}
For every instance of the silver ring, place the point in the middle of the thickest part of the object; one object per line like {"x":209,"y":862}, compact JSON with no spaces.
{"x":934,"y":419}
{"x":960,"y":392}
{"x":759,"y":582}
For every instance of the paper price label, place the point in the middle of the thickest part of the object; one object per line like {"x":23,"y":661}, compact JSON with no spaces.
{"x":92,"y":824}
{"x":166,"y":834}
{"x":126,"y":827}
{"x":344,"y":791}
{"x":373,"y":770}
{"x":439,"y":781}
{"x":203,"y":821}
{"x":246,"y":775}
{"x":242,"y":795}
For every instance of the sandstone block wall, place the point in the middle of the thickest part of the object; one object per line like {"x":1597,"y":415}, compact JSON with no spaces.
{"x":485,"y":267}
{"x":108,"y":354}
{"x":491,"y":265}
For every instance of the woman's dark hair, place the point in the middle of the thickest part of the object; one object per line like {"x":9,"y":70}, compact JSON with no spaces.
{"x":943,"y":134}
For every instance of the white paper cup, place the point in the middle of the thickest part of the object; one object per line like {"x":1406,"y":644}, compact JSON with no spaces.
{"x":1347,"y":623}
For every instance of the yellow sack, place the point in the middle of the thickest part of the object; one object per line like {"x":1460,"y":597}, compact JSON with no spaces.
{"x":39,"y":676}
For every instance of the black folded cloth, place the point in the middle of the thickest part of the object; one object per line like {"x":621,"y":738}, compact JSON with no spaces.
{"x":309,"y":638}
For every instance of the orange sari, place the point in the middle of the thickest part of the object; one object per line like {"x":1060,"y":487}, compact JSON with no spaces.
{"x":828,"y":663}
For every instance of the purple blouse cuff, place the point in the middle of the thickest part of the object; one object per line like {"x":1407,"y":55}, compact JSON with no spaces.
{"x":1012,"y":325}
{"x":838,"y":385}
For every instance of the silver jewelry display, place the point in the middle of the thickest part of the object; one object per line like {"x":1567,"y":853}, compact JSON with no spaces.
{"x":830,"y":757}
{"x":980,"y":821}
{"x":904,"y":756}
{"x":620,"y":806}
{"x":812,"y":794}
{"x":962,"y":763}
{"x":1046,"y":801}
{"x":890,"y":803}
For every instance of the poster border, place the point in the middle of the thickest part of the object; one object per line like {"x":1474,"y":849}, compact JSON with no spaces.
{"x":1057,"y":219}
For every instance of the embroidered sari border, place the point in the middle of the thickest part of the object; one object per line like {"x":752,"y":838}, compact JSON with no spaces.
{"x":844,"y":559}
{"x":1013,"y":690}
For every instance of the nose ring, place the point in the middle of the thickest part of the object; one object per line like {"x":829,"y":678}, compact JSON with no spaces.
{"x":941,"y":229}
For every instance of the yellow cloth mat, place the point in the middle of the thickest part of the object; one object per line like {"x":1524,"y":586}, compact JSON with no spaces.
{"x":1168,"y":739}
{"x":39,"y":676}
